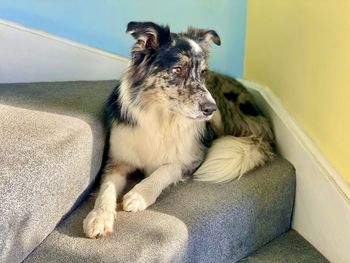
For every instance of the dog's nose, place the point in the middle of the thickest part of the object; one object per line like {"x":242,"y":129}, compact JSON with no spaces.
{"x":208,"y":108}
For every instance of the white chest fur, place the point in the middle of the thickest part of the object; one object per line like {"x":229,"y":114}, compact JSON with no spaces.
{"x":158,"y":139}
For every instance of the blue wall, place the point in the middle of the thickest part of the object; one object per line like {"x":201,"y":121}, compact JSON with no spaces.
{"x":102,"y":23}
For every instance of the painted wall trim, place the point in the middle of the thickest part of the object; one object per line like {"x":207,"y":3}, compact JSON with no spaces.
{"x":62,"y":40}
{"x":322,"y":204}
{"x":29,"y":55}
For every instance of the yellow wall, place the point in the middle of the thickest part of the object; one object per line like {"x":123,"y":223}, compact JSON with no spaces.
{"x":301,"y":50}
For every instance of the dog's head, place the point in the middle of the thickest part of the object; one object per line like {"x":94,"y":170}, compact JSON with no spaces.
{"x":168,"y":69}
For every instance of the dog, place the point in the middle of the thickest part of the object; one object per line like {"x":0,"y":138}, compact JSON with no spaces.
{"x":172,"y":117}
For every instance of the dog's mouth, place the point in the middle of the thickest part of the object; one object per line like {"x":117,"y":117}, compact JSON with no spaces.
{"x":199,"y":117}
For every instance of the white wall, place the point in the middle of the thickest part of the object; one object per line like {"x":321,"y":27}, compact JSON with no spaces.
{"x":34,"y":56}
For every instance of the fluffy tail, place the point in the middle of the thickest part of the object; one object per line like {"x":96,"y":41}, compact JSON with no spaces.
{"x":230,"y":157}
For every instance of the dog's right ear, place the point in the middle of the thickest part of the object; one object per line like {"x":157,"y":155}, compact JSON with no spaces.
{"x":149,"y":36}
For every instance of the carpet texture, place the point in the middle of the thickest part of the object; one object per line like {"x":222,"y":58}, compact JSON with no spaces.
{"x":51,"y":147}
{"x":289,"y":248}
{"x":52,"y":141}
{"x":190,"y":222}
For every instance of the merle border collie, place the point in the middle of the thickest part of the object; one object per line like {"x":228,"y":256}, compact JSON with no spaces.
{"x":171,"y":117}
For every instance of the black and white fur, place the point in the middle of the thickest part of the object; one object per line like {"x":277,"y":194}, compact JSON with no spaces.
{"x":163,"y":118}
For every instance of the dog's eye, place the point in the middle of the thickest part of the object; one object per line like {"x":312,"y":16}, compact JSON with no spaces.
{"x":204,"y":71}
{"x":176,"y":70}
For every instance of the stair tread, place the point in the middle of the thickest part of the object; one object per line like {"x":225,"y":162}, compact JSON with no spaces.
{"x":288,"y":248}
{"x":52,"y":140}
{"x":191,"y":222}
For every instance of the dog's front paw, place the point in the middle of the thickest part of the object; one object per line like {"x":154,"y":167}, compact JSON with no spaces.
{"x":99,"y":222}
{"x":133,"y":202}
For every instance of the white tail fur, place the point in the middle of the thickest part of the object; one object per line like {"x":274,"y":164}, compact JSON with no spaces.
{"x":229,"y":158}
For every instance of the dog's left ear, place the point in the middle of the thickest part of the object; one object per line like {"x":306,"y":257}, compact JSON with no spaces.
{"x":150,"y":36}
{"x":204,"y":37}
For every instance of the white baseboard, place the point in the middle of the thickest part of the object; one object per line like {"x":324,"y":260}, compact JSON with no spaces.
{"x":322,"y":204}
{"x":29,"y":55}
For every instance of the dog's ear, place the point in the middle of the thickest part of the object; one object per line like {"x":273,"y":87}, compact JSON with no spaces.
{"x":204,"y":37}
{"x":149,"y":36}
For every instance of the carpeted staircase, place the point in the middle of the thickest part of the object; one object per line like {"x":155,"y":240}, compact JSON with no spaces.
{"x":52,"y":142}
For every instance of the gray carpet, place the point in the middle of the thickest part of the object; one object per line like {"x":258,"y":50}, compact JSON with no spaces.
{"x":191,"y":222}
{"x":81,"y":99}
{"x":51,"y":146}
{"x":289,"y":248}
{"x":51,"y":151}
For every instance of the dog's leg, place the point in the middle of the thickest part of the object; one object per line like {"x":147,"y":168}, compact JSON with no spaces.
{"x":146,"y":192}
{"x":100,"y":221}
